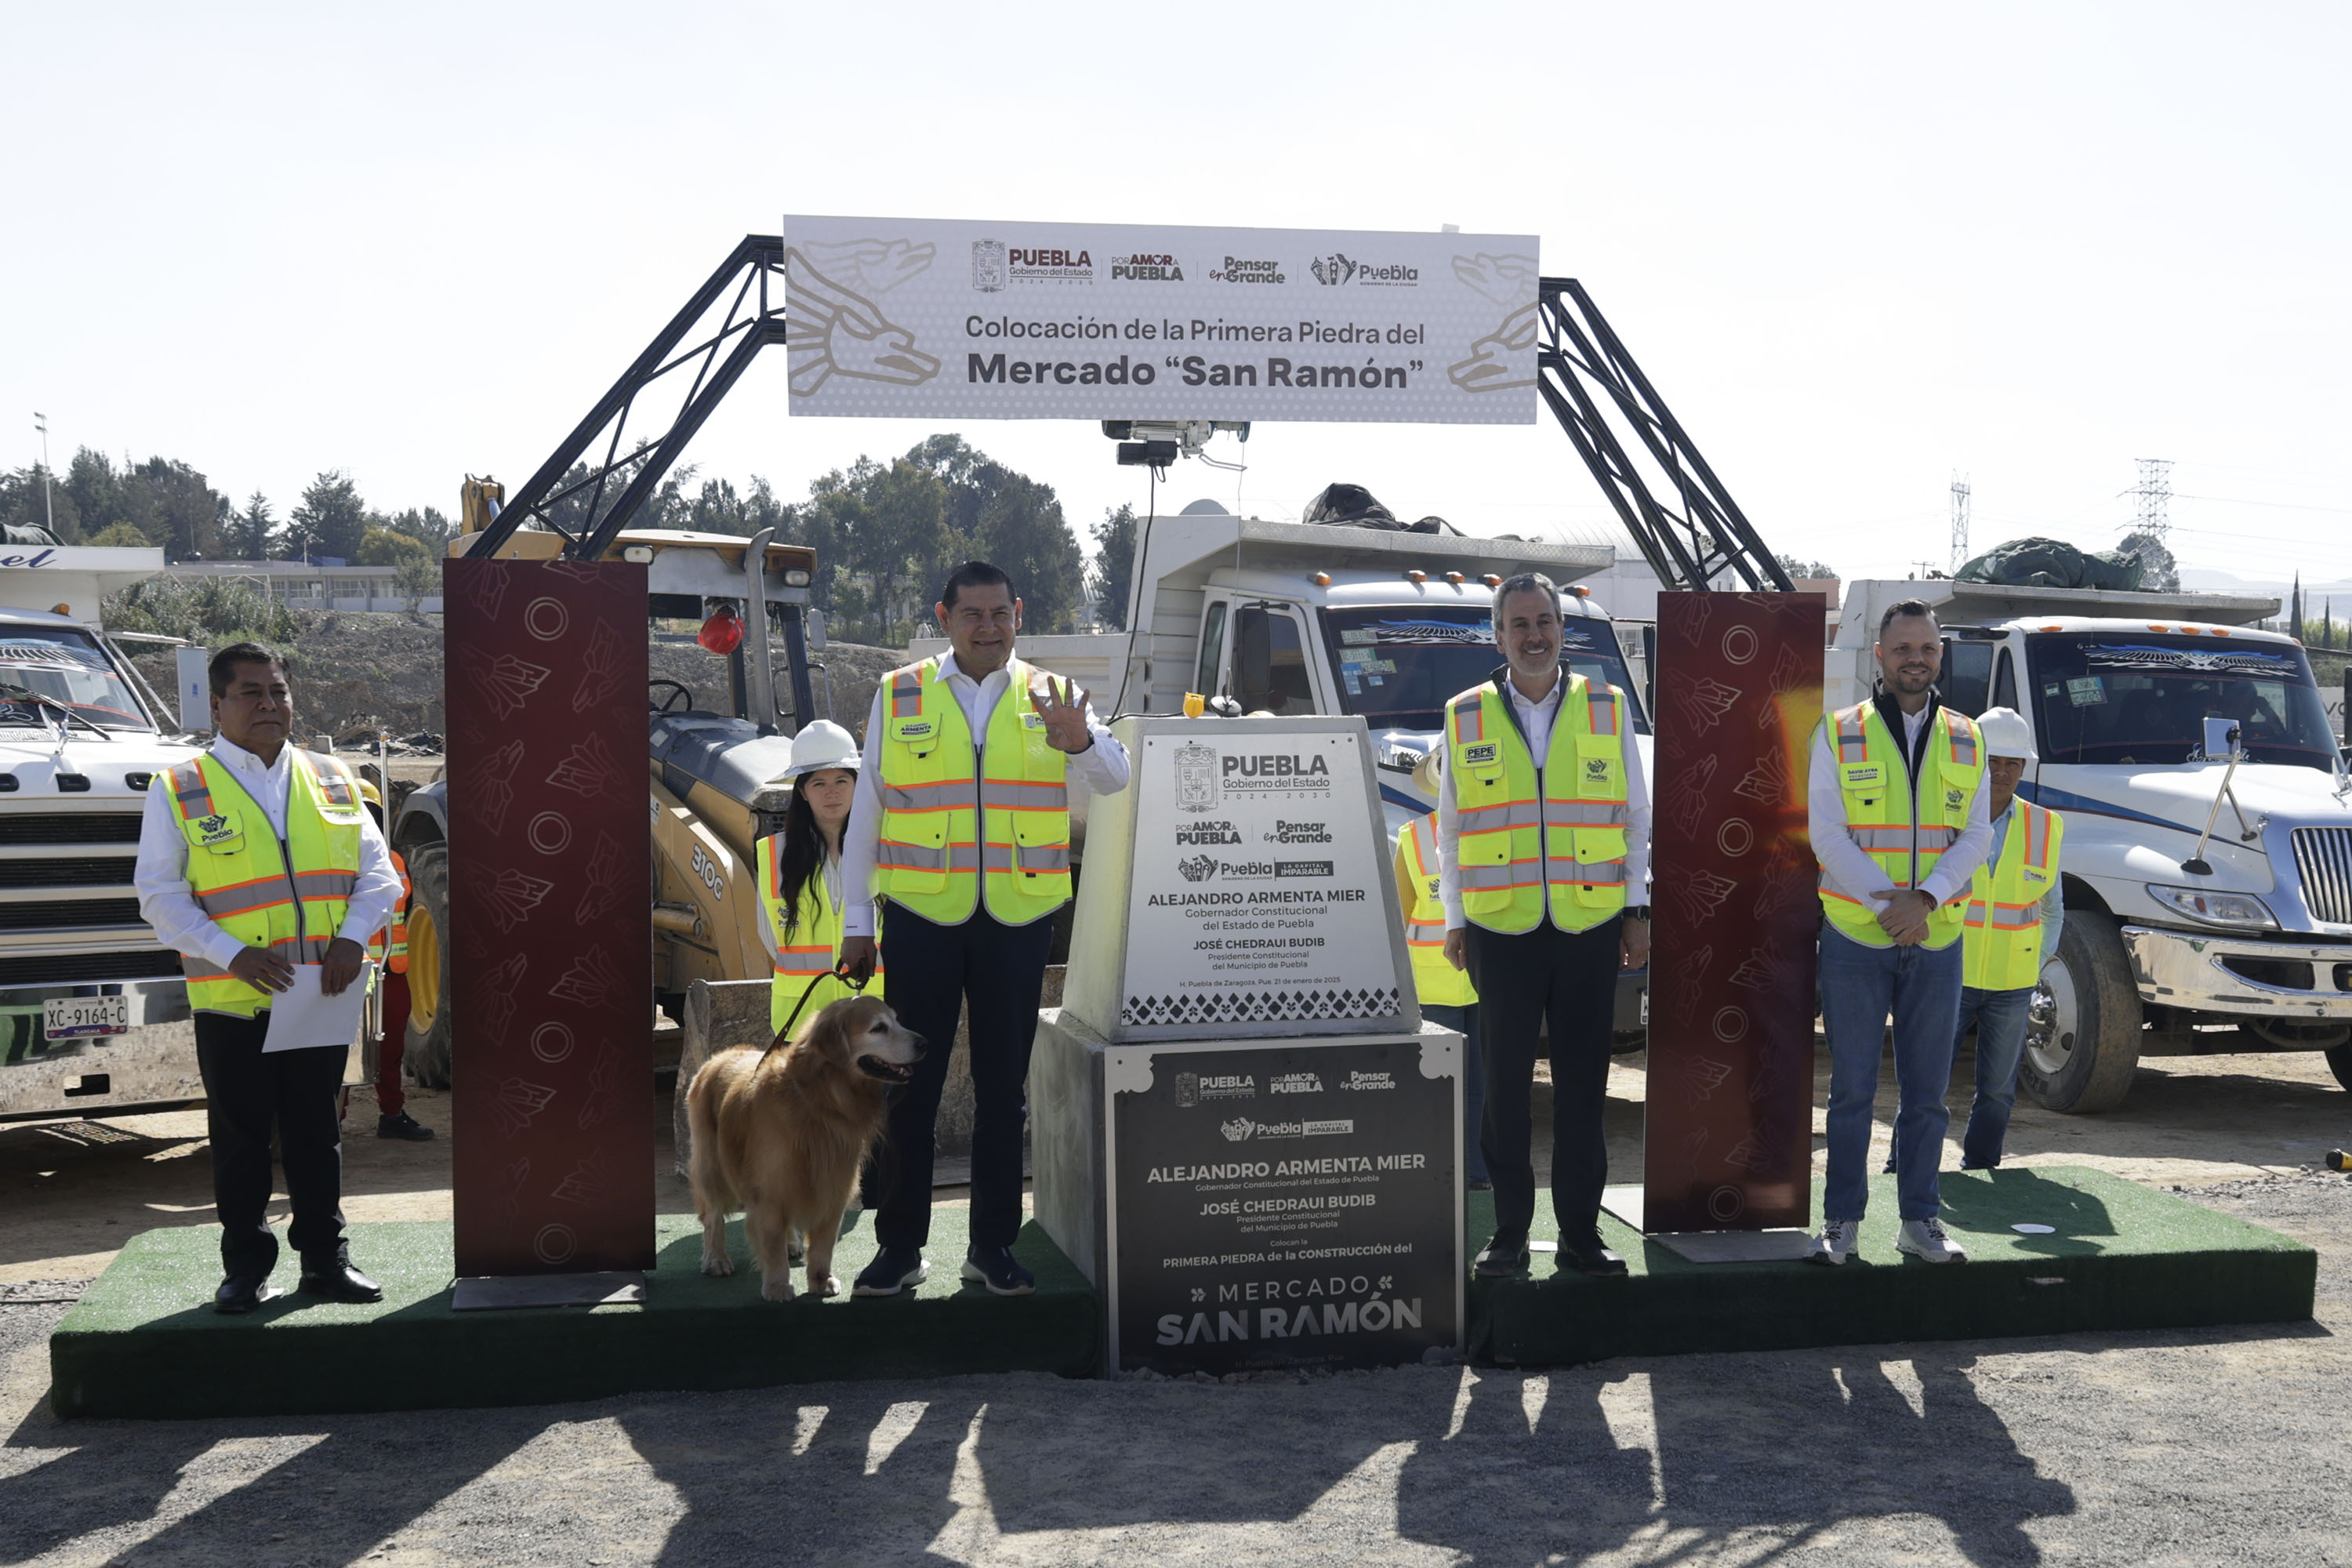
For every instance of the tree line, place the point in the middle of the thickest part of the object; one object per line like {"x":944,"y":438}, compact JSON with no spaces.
{"x":165,"y":502}
{"x":886,"y":532}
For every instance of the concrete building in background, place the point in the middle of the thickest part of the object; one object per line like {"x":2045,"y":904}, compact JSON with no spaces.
{"x":304,"y":586}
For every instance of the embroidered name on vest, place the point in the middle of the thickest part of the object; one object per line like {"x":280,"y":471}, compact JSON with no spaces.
{"x":1487,"y":752}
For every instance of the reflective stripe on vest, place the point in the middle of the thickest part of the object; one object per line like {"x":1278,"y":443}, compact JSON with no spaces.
{"x":2001,"y":934}
{"x":1436,"y":982}
{"x":956,"y":828}
{"x":808,"y":954}
{"x":1875,"y":781}
{"x":238,"y":871}
{"x":389,"y":946}
{"x":1530,"y":841}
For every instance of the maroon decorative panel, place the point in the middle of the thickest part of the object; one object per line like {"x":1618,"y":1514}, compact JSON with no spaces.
{"x":550,"y":916}
{"x":1727,"y":1133}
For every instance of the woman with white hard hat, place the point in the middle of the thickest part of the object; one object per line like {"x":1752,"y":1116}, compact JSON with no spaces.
{"x":800,"y":876}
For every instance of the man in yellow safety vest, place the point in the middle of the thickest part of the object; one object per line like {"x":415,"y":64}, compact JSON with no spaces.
{"x":1447,"y":997}
{"x":256,"y":857}
{"x":2015,"y":913}
{"x":961,"y":820}
{"x":1543,"y":836}
{"x":1899,"y":817}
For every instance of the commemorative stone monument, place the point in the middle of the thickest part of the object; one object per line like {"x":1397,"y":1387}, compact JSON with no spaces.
{"x":1244,"y":1133}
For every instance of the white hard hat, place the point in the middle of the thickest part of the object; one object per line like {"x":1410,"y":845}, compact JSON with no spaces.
{"x":823,"y":744}
{"x":2006,"y":734}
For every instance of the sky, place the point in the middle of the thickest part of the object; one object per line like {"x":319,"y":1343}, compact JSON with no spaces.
{"x":1858,"y":249}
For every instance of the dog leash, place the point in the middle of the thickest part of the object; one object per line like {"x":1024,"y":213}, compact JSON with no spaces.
{"x":784,"y":1033}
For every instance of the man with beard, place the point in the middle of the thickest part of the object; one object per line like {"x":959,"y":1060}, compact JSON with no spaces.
{"x":1899,"y":818}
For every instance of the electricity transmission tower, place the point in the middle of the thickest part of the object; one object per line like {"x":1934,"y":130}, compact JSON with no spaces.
{"x":2155,"y":493}
{"x":1959,"y":522}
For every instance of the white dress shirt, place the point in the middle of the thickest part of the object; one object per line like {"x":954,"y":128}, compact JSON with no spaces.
{"x":1102,"y":769}
{"x":1853,"y":872}
{"x":1536,"y":716}
{"x":161,"y":879}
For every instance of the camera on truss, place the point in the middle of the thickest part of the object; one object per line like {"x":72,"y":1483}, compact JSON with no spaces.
{"x":1156,"y":443}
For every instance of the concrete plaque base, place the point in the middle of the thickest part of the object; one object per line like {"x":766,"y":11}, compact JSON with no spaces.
{"x":1245,"y":1203}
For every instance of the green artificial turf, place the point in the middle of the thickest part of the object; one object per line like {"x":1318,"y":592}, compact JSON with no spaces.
{"x":2122,"y":1257}
{"x":144,"y":1341}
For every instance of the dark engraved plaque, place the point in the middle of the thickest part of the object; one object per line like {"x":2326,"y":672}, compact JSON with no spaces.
{"x":1727,"y":1140}
{"x":1285,"y":1206}
{"x":550,"y":916}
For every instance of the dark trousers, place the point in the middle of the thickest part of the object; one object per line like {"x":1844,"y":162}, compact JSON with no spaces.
{"x":1567,"y":979}
{"x":933,"y":970}
{"x":248,"y":1094}
{"x":390,"y":1098}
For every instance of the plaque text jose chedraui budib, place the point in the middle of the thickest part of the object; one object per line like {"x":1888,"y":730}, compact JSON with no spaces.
{"x":1279,"y":1204}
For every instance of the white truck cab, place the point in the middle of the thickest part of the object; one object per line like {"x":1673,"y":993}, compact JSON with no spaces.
{"x":2246,"y":946}
{"x":93,"y":1010}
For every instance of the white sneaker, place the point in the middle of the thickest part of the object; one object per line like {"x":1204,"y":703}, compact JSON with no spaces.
{"x":1925,"y":1238}
{"x":1835,"y":1243}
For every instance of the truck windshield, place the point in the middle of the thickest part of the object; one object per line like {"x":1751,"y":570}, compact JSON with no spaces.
{"x":67,"y":667}
{"x":2112,"y":697}
{"x":1397,"y":667}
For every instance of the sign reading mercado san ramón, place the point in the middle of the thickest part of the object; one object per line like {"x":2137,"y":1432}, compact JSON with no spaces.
{"x":929,"y":319}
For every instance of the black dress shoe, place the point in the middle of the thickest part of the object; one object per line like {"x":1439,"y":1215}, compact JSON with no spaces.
{"x":1507,"y":1253}
{"x":400,"y":1124}
{"x":242,"y":1293}
{"x":1587,"y":1255}
{"x":994,"y":1268}
{"x":339,"y":1282}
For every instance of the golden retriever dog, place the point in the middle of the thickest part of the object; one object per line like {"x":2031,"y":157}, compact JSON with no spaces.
{"x":780,"y":1134}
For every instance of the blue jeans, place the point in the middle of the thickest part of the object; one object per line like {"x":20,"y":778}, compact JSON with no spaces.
{"x":1474,"y":1082}
{"x":1999,"y":1017}
{"x":1860,"y":986}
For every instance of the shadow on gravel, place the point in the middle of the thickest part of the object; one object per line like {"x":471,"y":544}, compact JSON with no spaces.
{"x":364,"y":1480}
{"x":1753,"y":1449}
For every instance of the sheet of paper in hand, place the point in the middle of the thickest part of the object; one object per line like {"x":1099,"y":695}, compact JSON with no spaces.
{"x":303,"y":1015}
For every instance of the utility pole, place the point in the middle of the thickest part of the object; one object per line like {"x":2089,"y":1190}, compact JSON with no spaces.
{"x":48,"y":505}
{"x":1959,"y":522}
{"x":2155,"y":493}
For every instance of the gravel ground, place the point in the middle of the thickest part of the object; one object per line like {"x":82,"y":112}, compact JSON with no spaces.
{"x":2198,"y":1447}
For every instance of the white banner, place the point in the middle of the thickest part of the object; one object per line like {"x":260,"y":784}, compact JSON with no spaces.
{"x":919,"y":319}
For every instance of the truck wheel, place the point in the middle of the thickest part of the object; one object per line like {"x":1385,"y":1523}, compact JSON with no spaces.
{"x":2339,"y":1062}
{"x":2081,"y":1046}
{"x":429,"y":1055}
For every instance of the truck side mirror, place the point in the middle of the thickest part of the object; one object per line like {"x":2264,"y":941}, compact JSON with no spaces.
{"x":2220,"y":737}
{"x":195,"y":688}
